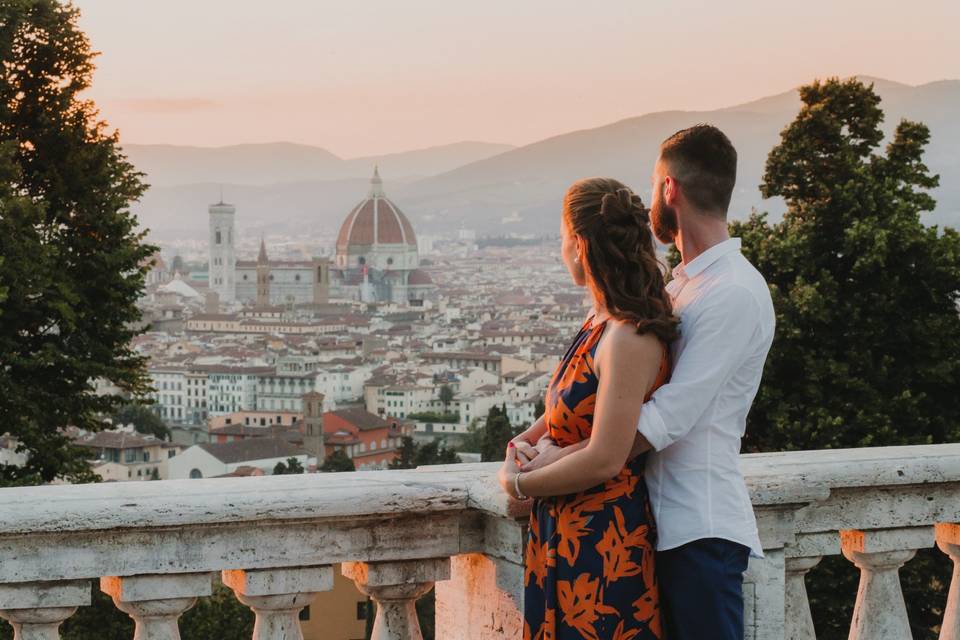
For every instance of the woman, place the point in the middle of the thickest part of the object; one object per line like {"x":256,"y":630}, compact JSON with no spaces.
{"x":589,"y":556}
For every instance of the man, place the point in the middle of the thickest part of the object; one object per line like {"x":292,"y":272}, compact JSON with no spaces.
{"x":706,"y":526}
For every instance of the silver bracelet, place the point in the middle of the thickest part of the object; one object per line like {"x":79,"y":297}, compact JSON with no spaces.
{"x":516,"y":487}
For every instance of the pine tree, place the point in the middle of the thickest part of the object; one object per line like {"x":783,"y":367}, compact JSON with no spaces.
{"x":867,"y":347}
{"x":72,"y":253}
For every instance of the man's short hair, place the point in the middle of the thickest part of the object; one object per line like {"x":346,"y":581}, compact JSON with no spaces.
{"x":704,"y":162}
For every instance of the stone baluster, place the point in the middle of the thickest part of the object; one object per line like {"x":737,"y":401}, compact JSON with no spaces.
{"x":880,"y":611}
{"x":37,"y":609}
{"x":276,"y":596}
{"x":948,"y":539}
{"x":156,"y":602}
{"x":395,"y":587}
{"x":799,"y":622}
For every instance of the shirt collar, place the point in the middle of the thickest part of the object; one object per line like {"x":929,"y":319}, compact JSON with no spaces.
{"x":699,"y":264}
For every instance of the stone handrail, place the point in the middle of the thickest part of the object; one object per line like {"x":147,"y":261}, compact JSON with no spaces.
{"x":155,"y":546}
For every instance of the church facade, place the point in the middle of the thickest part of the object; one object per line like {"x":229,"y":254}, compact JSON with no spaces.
{"x":376,"y":260}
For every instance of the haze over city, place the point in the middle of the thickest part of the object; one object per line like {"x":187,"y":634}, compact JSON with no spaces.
{"x":376,"y":77}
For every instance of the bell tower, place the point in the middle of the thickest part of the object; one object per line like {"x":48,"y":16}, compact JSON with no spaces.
{"x":313,"y":424}
{"x":222,"y":269}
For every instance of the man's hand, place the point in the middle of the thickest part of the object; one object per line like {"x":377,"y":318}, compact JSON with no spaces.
{"x":640,"y":444}
{"x":546,"y":451}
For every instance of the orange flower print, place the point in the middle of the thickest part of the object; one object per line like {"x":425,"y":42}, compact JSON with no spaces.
{"x":576,"y":371}
{"x":616,"y":548}
{"x":620,"y":634}
{"x":539,"y":557}
{"x":587,"y":574}
{"x":582,"y":604}
{"x":646,"y":609}
{"x":571,"y":526}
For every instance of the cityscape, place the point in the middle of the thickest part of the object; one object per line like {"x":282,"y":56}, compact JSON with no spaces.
{"x":301,"y":312}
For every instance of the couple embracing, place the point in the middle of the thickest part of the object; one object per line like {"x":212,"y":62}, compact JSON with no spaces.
{"x":641,"y":526}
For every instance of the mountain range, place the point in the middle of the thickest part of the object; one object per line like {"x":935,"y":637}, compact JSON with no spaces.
{"x":495,"y":188}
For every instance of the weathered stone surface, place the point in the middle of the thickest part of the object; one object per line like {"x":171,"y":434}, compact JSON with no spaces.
{"x":395,"y":587}
{"x":880,"y":611}
{"x":802,"y":500}
{"x":276,"y":597}
{"x":948,"y":539}
{"x":157,"y":586}
{"x":36,"y":610}
{"x":473,"y":606}
{"x":799,"y":623}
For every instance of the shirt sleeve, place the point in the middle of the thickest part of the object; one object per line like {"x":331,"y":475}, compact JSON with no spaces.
{"x":717,"y":340}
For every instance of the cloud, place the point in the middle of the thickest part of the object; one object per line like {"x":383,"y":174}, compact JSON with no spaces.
{"x":167,"y":105}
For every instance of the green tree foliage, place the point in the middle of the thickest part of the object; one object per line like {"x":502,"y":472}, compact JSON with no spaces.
{"x":143,"y":418}
{"x":292,"y":466}
{"x":539,"y":409}
{"x":446,"y":395}
{"x":495,"y":434}
{"x":867,"y":348}
{"x":219,"y":616}
{"x":72,"y":253}
{"x":412,"y":455}
{"x":337,"y":461}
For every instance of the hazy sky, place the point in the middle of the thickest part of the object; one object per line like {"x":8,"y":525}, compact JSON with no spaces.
{"x":360,"y":77}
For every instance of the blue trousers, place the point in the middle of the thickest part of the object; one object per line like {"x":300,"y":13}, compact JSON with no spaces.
{"x":701,"y":590}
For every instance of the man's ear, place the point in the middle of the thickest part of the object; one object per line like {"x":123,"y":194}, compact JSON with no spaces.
{"x":670,"y":190}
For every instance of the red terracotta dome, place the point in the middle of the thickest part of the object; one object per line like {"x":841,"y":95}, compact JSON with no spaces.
{"x":375,"y":220}
{"x":419,"y":277}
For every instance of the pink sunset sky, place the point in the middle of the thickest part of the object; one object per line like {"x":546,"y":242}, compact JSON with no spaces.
{"x":363,"y":77}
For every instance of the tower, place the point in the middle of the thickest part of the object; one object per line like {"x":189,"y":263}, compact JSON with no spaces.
{"x":223,"y":262}
{"x":263,"y":277}
{"x":321,"y":280}
{"x":313,"y":424}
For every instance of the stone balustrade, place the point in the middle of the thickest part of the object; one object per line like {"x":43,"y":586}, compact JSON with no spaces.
{"x":155,"y":547}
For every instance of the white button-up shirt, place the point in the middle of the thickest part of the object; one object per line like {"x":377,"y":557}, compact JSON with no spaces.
{"x":695,"y":422}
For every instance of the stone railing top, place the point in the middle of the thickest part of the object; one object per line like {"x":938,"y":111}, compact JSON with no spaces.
{"x":774,"y":478}
{"x":865,"y":467}
{"x":171,"y":503}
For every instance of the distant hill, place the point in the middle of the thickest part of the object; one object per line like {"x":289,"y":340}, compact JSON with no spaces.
{"x":515,"y":189}
{"x":278,"y":162}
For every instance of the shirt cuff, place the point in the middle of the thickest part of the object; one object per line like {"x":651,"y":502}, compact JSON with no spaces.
{"x":652,"y":427}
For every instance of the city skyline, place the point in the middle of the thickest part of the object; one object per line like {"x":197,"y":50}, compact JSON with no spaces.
{"x":377,"y":77}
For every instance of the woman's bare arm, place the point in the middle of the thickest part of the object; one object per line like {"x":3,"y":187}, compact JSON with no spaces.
{"x":630,"y":364}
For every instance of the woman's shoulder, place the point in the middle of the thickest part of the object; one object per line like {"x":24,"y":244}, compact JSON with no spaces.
{"x":622,"y":345}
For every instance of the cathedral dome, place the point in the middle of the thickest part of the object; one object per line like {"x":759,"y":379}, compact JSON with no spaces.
{"x":375,"y":221}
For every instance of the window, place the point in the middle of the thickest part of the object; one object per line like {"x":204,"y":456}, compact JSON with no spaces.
{"x":219,"y":239}
{"x":362,"y":610}
{"x":297,"y":277}
{"x":196,"y":473}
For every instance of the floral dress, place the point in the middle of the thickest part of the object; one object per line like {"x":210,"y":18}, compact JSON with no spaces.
{"x":589,"y":560}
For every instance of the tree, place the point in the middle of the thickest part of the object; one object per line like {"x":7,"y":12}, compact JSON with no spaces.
{"x":867,"y":347}
{"x":539,"y":409}
{"x":446,"y":396}
{"x":144,"y":420}
{"x":337,"y":461}
{"x":412,"y":455}
{"x":292,"y":466}
{"x":74,"y":260}
{"x":495,"y":434}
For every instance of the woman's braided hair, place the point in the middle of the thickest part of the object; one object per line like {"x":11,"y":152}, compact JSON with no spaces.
{"x":620,"y":262}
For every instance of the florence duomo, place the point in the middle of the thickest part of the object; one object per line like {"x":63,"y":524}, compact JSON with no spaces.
{"x":376,"y":260}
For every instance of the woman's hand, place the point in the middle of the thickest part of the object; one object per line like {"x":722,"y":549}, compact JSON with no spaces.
{"x":508,"y":470}
{"x":525,"y":450}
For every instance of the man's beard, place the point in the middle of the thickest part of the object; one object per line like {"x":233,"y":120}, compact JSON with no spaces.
{"x":663,"y":220}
